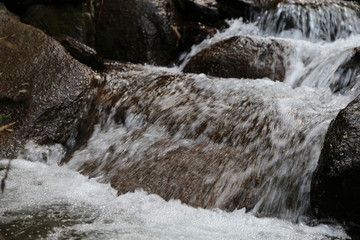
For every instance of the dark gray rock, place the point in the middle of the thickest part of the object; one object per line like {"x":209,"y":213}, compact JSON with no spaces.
{"x":22,"y":3}
{"x":205,"y":11}
{"x":247,"y":9}
{"x":82,"y":52}
{"x":138,"y":31}
{"x":74,"y":20}
{"x":43,"y":89}
{"x":335,"y":192}
{"x":242,"y":57}
{"x":194,"y":33}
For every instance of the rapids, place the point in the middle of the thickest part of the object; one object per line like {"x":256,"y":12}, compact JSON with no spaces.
{"x":278,"y":128}
{"x":80,"y":208}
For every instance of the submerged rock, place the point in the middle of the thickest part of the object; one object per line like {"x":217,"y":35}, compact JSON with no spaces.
{"x":243,"y":57}
{"x":43,"y":89}
{"x":335,"y":192}
{"x":138,"y":31}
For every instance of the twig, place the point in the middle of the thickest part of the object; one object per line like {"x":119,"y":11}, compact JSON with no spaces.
{"x":5,"y":127}
{"x":178,"y":35}
{"x":5,"y":37}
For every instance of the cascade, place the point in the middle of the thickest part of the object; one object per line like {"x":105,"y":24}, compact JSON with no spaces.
{"x":312,"y":20}
{"x":216,"y":143}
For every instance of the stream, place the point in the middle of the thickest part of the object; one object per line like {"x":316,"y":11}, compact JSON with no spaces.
{"x":277,"y":127}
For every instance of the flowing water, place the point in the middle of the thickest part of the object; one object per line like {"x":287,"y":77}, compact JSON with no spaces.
{"x":276,"y":129}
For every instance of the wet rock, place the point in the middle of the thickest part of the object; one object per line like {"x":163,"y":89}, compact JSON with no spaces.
{"x":17,"y":4}
{"x":242,"y":57}
{"x":205,"y":11}
{"x":237,"y":9}
{"x":74,"y":20}
{"x":138,"y":31}
{"x":81,"y":52}
{"x":193,"y":33}
{"x":335,"y":193}
{"x":43,"y":89}
{"x":247,"y":9}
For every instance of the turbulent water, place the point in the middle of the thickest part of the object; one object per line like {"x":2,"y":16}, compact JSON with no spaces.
{"x":277,"y":127}
{"x":44,"y":201}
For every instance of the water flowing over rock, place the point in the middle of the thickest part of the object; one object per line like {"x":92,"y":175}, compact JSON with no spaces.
{"x":313,"y":20}
{"x":213,"y":143}
{"x":42,"y":88}
{"x":246,"y":135}
{"x":335,"y":192}
{"x":342,"y":68}
{"x":243,"y":57}
{"x":138,"y":31}
{"x":347,"y":75}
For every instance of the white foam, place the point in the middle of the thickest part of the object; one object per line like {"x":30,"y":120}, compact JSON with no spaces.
{"x":34,"y":185}
{"x":236,"y":28}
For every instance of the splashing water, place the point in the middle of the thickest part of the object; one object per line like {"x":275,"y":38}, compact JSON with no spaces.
{"x":265,"y":137}
{"x":265,"y":128}
{"x":50,"y":202}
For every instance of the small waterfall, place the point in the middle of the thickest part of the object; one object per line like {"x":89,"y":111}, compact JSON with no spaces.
{"x":271,"y":132}
{"x":326,"y":66}
{"x":312,"y":20}
{"x":264,"y":137}
{"x":212,"y":142}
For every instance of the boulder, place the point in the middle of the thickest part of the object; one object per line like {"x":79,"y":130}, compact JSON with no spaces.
{"x":194,"y":33}
{"x":23,"y":3}
{"x":205,"y":11}
{"x":335,"y":192}
{"x":139,"y":31}
{"x":74,"y":20}
{"x":247,"y":9}
{"x":243,"y":57}
{"x":82,"y":52}
{"x":43,"y":90}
